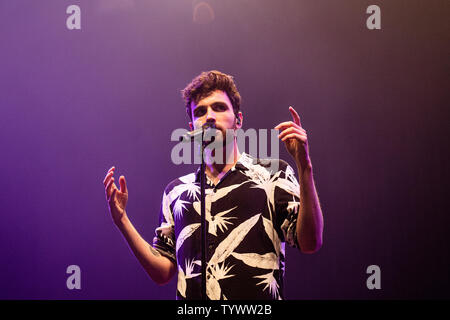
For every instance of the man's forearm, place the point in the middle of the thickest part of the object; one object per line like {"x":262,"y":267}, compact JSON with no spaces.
{"x":310,"y":220}
{"x":158,"y":267}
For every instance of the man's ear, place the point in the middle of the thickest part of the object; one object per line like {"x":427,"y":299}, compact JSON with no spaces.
{"x":239,"y":120}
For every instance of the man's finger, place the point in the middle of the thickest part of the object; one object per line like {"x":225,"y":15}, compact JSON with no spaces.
{"x":108,"y":188}
{"x":286,"y":124}
{"x":297,"y":128}
{"x":291,"y":130}
{"x":296,"y":136}
{"x":123,"y":184}
{"x":107,"y":177}
{"x":111,"y":170}
{"x":295,"y":116}
{"x":113,"y":194}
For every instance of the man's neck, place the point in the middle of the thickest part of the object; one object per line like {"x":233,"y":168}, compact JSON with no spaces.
{"x":215,"y":171}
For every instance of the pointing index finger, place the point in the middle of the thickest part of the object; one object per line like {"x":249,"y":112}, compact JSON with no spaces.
{"x":295,"y":116}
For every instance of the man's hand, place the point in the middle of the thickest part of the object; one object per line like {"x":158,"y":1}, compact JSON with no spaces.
{"x":117,"y":199}
{"x":310,"y":219}
{"x":295,"y":140}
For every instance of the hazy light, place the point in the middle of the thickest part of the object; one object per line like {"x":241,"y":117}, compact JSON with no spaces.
{"x":203,"y":13}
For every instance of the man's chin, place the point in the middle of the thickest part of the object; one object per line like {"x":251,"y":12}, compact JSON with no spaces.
{"x":217,"y":139}
{"x":219,"y":144}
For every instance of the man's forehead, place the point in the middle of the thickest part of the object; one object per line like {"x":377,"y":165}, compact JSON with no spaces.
{"x":214,"y":96}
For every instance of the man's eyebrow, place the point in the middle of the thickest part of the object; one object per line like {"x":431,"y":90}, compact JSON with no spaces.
{"x":214,"y":104}
{"x":198,"y":107}
{"x":219,"y":103}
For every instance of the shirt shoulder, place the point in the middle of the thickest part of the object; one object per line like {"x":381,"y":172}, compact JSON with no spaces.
{"x":272,"y":166}
{"x":186,"y":179}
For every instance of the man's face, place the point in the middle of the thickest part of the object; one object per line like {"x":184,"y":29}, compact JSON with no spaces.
{"x":216,"y":108}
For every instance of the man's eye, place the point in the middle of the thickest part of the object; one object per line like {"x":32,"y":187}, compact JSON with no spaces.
{"x":199,"y":112}
{"x":220,"y":107}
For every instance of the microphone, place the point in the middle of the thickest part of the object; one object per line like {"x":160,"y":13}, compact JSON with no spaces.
{"x":197,"y":133}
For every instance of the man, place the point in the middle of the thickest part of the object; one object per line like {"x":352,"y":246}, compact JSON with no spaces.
{"x":251,"y":209}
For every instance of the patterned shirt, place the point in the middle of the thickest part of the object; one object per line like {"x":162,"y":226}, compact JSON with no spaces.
{"x":250,"y":214}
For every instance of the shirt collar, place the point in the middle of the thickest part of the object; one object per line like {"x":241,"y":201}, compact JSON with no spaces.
{"x":242,"y":164}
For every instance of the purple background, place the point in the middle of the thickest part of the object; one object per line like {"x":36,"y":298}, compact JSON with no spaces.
{"x":74,"y":103}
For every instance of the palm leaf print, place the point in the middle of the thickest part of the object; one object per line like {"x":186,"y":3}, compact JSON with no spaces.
{"x":270,"y":282}
{"x":189,"y":178}
{"x":213,"y":290}
{"x":290,"y":175}
{"x":260,"y":176}
{"x":272,"y":234}
{"x":220,"y":271}
{"x":293,"y":205}
{"x":227,"y":246}
{"x":181,"y":283}
{"x":166,"y":209}
{"x":265,"y":261}
{"x":189,"y":185}
{"x":220,"y":193}
{"x":178,"y":208}
{"x":186,"y":233}
{"x":190,"y":264}
{"x":289,"y":186}
{"x":219,"y":221}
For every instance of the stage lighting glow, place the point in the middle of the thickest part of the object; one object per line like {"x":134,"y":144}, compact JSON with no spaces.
{"x":203,"y":13}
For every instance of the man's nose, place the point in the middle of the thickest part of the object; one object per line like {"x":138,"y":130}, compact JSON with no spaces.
{"x":210,"y":116}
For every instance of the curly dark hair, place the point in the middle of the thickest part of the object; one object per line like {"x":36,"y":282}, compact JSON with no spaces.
{"x":207,"y":82}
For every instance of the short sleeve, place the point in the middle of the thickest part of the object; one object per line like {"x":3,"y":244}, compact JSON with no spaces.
{"x":164,"y":240}
{"x":287,"y":204}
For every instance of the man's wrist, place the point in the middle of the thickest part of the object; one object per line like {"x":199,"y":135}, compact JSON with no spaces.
{"x":122,"y":221}
{"x":304,"y":167}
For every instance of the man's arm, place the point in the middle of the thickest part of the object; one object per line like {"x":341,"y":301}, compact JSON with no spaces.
{"x":158,"y":267}
{"x":310,"y":219}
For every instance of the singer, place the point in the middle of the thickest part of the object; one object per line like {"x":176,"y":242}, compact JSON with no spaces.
{"x":251,"y":209}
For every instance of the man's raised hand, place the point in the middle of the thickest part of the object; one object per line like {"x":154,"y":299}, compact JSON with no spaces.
{"x":295,"y":139}
{"x":117,"y":199}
